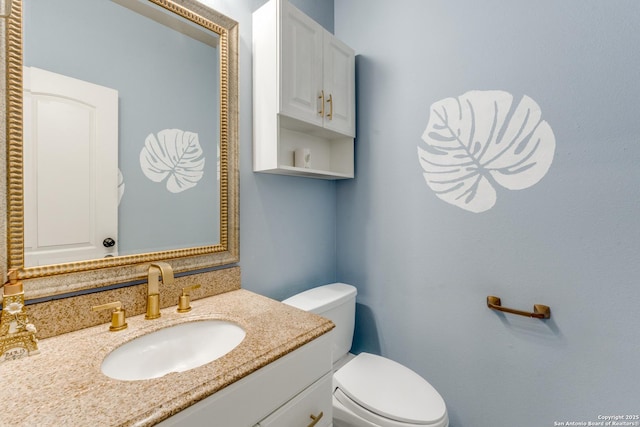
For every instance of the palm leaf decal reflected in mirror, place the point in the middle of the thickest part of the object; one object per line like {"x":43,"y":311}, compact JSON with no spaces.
{"x":176,"y":156}
{"x":481,"y":141}
{"x":121,"y":186}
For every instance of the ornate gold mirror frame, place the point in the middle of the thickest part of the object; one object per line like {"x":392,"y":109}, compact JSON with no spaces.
{"x":57,"y":279}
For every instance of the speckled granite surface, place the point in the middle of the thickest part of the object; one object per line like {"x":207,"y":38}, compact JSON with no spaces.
{"x":63,"y":386}
{"x":70,"y":314}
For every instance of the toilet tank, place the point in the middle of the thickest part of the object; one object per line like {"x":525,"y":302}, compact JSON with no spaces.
{"x":336,"y":302}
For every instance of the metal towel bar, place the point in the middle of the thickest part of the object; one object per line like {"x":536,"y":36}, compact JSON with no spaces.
{"x":539,"y":311}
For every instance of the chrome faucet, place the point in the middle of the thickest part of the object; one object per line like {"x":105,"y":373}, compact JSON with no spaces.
{"x":156,"y":270}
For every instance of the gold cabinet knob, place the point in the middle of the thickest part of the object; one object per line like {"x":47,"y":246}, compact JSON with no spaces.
{"x":321,"y":98}
{"x":118,"y":316}
{"x":184,"y":301}
{"x":315,"y":419}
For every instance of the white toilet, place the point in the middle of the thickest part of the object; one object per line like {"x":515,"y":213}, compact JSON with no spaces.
{"x":369,"y":390}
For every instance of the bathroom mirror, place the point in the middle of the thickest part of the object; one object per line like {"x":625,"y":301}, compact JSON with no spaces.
{"x":165,"y":73}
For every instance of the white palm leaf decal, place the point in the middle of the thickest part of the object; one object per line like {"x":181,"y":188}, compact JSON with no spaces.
{"x":176,"y":156}
{"x":481,"y":141}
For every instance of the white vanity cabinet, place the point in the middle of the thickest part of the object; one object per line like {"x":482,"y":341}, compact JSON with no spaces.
{"x":293,"y":391}
{"x":303,"y":95}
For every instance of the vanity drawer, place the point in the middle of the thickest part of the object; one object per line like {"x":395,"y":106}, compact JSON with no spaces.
{"x":314,"y":401}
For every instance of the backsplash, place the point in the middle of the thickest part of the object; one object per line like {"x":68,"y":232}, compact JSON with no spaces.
{"x":70,"y":314}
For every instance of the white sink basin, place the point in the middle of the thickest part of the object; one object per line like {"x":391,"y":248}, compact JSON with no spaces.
{"x":173,"y":349}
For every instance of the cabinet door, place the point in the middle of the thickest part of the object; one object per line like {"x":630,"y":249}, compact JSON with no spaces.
{"x":339,"y":86}
{"x":301,"y":66}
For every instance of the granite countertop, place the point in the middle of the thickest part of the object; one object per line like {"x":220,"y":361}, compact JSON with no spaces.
{"x":63,"y":386}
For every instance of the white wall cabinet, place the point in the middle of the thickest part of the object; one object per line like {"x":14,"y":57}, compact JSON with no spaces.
{"x":304,"y":95}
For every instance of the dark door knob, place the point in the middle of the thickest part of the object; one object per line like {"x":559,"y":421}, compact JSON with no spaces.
{"x":108,"y":242}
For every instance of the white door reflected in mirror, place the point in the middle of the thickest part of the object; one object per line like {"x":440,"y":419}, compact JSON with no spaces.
{"x":70,"y":169}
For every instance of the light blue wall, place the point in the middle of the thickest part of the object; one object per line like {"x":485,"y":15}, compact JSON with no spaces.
{"x":424,"y":267}
{"x":287,"y":224}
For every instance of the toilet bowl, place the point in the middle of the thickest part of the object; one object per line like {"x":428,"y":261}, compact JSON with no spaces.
{"x":369,"y":390}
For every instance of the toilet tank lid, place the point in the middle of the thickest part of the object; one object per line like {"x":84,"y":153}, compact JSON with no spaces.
{"x":322,"y":298}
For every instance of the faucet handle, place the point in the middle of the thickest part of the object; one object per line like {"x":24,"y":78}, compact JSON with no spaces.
{"x":118,"y":316}
{"x":184,"y":301}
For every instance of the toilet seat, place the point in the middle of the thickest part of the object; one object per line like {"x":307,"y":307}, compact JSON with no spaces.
{"x":387,"y":393}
